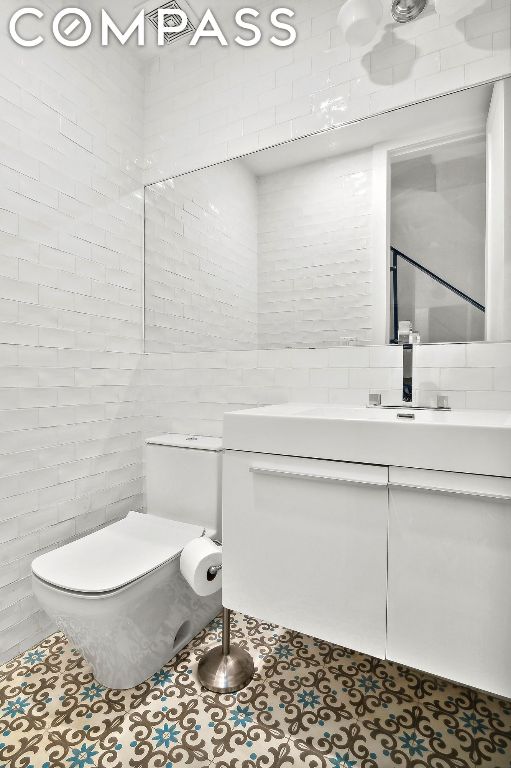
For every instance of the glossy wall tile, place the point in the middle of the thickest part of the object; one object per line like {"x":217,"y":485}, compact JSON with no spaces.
{"x":81,"y":131}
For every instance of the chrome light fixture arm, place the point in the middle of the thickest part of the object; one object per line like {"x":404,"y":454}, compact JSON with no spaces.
{"x":404,"y":11}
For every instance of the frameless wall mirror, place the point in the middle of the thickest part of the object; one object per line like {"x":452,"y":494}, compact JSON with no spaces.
{"x":346,"y":237}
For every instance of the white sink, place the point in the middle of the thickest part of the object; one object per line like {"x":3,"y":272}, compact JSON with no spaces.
{"x":476,"y":442}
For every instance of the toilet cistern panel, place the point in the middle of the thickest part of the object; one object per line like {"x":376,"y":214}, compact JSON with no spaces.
{"x":183,"y":479}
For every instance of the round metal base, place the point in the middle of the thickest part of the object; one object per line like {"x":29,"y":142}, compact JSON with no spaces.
{"x":226,"y":673}
{"x":407,"y":10}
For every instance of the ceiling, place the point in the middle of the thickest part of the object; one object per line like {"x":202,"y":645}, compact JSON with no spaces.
{"x":223,"y":10}
{"x":124,"y":11}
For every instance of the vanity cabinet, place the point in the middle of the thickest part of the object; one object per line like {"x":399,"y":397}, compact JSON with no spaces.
{"x":305,"y":546}
{"x":411,"y":565}
{"x":449,"y":576}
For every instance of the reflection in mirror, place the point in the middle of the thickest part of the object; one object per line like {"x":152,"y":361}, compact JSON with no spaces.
{"x":344,"y":237}
{"x":201,"y":261}
{"x":438,"y":236}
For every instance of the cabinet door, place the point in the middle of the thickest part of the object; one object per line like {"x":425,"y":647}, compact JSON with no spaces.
{"x":449,"y":601}
{"x":305,"y":546}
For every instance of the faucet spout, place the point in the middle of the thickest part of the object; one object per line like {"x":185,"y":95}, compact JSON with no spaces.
{"x":407,"y":373}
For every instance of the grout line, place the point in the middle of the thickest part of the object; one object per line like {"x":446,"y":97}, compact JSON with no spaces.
{"x":284,"y":739}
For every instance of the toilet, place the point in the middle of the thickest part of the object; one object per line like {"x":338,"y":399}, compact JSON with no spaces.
{"x":118,"y":593}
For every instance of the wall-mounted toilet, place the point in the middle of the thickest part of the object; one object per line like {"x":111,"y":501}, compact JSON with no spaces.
{"x":118,"y":593}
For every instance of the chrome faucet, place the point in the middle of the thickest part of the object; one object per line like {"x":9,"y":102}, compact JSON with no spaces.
{"x":407,"y":337}
{"x":407,"y":373}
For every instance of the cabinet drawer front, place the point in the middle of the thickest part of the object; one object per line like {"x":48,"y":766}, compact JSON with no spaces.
{"x":319,"y":471}
{"x":449,"y":610}
{"x":305,"y":546}
{"x":477,"y":486}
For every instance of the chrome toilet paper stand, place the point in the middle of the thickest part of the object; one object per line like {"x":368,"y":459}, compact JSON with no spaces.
{"x":225,"y":668}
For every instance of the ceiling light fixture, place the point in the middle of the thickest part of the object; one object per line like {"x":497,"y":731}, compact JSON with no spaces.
{"x":359,"y":21}
{"x":404,"y":11}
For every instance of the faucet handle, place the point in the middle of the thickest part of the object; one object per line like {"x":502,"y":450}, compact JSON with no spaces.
{"x":374,"y":398}
{"x":442,"y":402}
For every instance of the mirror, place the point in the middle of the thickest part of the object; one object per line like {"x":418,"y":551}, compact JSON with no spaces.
{"x":393,"y":224}
{"x":438,"y":241}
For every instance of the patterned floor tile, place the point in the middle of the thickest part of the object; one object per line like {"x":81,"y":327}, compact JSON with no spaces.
{"x":348,"y":746}
{"x":175,"y":680}
{"x":370,"y":686}
{"x":288,"y":652}
{"x":408,"y":741}
{"x":30,"y":685}
{"x":261,"y":635}
{"x":299,"y":687}
{"x":46,"y":659}
{"x":275,"y":755}
{"x":238,"y":729}
{"x":331,"y":655}
{"x":244,"y":723}
{"x":309,"y":703}
{"x":426,"y":687}
{"x":97,"y":745}
{"x":164,"y":734}
{"x":411,"y":737}
{"x":19,"y":749}
{"x":481,"y":724}
{"x":83,"y":700}
{"x":27,"y":706}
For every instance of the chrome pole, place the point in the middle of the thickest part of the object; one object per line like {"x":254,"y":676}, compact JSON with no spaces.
{"x":226,"y":631}
{"x":226,"y":668}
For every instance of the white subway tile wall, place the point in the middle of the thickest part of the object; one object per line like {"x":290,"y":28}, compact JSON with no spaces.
{"x":209,"y":103}
{"x":191,"y":392}
{"x":315,"y":281}
{"x":201,"y":261}
{"x":77,"y":395}
{"x":71,"y":214}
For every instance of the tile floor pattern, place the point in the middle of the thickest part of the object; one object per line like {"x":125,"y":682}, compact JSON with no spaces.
{"x":310,"y":703}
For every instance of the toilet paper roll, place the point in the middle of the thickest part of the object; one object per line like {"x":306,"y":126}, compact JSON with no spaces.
{"x":197,"y":558}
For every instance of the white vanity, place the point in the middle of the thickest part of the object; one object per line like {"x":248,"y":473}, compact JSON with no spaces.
{"x":386,"y":531}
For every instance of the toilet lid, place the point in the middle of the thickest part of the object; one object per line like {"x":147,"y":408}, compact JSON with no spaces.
{"x":116,"y":555}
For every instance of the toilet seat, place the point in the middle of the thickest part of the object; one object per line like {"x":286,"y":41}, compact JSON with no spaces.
{"x":115,"y":556}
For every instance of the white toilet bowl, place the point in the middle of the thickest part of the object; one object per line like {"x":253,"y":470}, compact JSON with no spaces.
{"x":118,"y":593}
{"x":119,"y":596}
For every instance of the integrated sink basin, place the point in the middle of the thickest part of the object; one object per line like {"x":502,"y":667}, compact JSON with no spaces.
{"x":476,"y":442}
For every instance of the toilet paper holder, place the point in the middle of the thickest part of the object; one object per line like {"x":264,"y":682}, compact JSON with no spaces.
{"x":213,"y":569}
{"x":226,"y":668}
